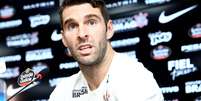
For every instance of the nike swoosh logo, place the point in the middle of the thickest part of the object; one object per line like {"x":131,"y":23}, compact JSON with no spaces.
{"x":11,"y":91}
{"x":55,"y":36}
{"x":167,"y":18}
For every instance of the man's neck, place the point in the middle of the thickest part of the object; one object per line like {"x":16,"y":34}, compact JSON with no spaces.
{"x":95,"y":74}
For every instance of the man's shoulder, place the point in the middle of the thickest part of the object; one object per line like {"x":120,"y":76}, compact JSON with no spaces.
{"x":134,"y":79}
{"x":68,"y":81}
{"x":130,"y":66}
{"x":123,"y":57}
{"x":128,"y":61}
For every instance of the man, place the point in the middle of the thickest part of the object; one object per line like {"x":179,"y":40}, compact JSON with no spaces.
{"x":105,"y":75}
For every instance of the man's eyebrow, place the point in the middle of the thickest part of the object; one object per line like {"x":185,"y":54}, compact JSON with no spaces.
{"x":87,"y":17}
{"x":92,"y":15}
{"x":68,"y":21}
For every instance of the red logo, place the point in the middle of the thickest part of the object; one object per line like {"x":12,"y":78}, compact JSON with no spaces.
{"x":7,"y":12}
{"x":195,"y":31}
{"x":160,"y":52}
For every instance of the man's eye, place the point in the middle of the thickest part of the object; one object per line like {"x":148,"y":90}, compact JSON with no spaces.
{"x":92,"y":22}
{"x":71,"y":27}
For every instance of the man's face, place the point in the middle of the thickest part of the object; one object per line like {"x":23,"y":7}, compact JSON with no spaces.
{"x":84,"y":33}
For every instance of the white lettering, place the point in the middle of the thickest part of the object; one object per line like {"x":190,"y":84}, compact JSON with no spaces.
{"x":191,"y":47}
{"x":10,"y":24}
{"x":10,"y":73}
{"x":125,"y":42}
{"x":173,"y":89}
{"x":121,"y":3}
{"x":124,"y":24}
{"x":193,"y":86}
{"x":180,"y":67}
{"x":11,"y":58}
{"x":155,"y":1}
{"x":40,"y":54}
{"x":22,"y":40}
{"x":39,"y":5}
{"x":68,"y":65}
{"x":39,"y":20}
{"x":159,"y":37}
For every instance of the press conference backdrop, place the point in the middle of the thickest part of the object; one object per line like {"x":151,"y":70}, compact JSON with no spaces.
{"x":165,"y":35}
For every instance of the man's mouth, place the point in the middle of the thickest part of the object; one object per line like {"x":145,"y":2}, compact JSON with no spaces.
{"x":82,"y":47}
{"x":85,"y":49}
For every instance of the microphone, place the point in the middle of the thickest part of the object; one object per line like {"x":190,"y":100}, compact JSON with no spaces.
{"x":24,"y":78}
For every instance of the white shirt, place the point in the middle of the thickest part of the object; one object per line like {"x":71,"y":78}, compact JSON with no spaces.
{"x":127,"y":80}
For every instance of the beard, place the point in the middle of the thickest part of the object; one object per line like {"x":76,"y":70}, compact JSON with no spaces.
{"x":95,"y":58}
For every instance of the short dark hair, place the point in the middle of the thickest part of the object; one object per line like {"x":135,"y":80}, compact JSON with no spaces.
{"x":95,"y":3}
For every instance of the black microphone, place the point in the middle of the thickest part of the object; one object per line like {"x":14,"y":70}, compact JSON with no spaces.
{"x":38,"y":76}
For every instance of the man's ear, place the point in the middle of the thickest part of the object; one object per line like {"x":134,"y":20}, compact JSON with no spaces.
{"x":67,"y":51}
{"x":110,"y":30}
{"x":63,"y":39}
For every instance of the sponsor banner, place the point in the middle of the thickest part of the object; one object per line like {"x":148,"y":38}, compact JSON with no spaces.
{"x":10,"y":24}
{"x":7,"y":12}
{"x":26,"y":77}
{"x":175,"y":99}
{"x":68,"y":65}
{"x":159,"y":37}
{"x":39,"y":54}
{"x":163,"y":18}
{"x":120,"y":3}
{"x":197,"y":98}
{"x":191,"y":48}
{"x":125,"y":42}
{"x":130,"y":23}
{"x":38,"y":20}
{"x":195,"y":31}
{"x":193,"y":86}
{"x":11,"y":58}
{"x":156,"y":1}
{"x":181,"y":67}
{"x":169,"y":90}
{"x":39,"y":5}
{"x":56,"y":36}
{"x":160,"y":52}
{"x":10,"y":73}
{"x":22,"y":40}
{"x":39,"y":67}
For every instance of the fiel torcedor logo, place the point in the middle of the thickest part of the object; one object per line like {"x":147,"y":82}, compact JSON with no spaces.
{"x":26,"y":77}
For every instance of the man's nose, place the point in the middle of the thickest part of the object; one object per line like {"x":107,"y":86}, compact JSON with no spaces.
{"x":83,"y":34}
